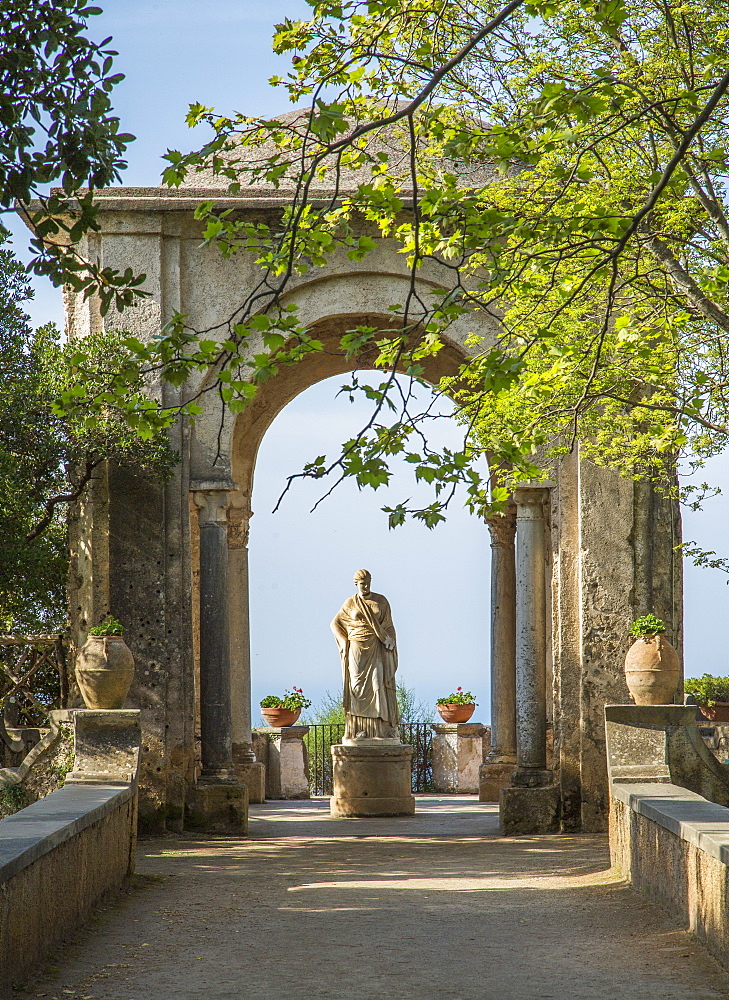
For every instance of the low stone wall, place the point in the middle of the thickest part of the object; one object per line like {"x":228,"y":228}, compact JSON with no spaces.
{"x":674,"y":844}
{"x":58,"y":858}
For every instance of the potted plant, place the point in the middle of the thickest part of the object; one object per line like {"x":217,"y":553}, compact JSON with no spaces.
{"x":651,"y":664}
{"x":711,"y":694}
{"x":284,"y":711}
{"x":456,"y":707}
{"x":105,"y":666}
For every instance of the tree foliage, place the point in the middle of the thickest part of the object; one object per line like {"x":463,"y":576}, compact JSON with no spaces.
{"x":57,"y":126}
{"x":47,"y":459}
{"x":562,"y":163}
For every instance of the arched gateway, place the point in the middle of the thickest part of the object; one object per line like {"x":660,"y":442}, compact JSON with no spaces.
{"x":170,"y":561}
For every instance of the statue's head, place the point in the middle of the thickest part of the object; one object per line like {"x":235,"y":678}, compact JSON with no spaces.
{"x":363,"y":580}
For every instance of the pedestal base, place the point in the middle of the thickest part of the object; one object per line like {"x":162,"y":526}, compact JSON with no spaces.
{"x":457,"y":756}
{"x":529,"y":810}
{"x":372,"y":780}
{"x":106,"y":745}
{"x":492,"y":777}
{"x":287,"y":763}
{"x":217,"y":807}
{"x":251,"y":773}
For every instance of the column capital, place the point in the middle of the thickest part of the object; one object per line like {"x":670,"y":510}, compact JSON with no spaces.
{"x":239,"y":517}
{"x":211,"y":499}
{"x":530,"y":497}
{"x":502,"y":527}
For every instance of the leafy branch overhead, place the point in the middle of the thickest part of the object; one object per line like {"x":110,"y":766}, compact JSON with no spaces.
{"x":557,"y":169}
{"x":57,"y":127}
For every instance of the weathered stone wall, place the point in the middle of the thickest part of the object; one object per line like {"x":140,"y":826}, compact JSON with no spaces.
{"x":58,"y":859}
{"x":614,"y":559}
{"x":674,"y":845}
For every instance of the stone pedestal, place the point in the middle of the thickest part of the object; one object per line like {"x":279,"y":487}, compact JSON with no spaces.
{"x":106,"y":745}
{"x":371,"y":780}
{"x":217,"y":807}
{"x":250,"y":772}
{"x":457,"y":756}
{"x":287,"y":762}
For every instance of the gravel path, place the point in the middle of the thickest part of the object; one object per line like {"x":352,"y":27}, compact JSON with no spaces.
{"x":434,"y":907}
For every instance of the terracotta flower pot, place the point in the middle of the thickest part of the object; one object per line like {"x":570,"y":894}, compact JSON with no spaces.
{"x":456,"y":713}
{"x":104,"y":671}
{"x":280,"y":716}
{"x":652,"y":671}
{"x":718,"y":712}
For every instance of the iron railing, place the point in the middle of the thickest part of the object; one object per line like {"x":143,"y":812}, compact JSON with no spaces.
{"x":420,"y":736}
{"x":319,"y":741}
{"x":321,"y":738}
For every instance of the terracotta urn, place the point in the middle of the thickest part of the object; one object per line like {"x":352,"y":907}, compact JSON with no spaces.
{"x":456,"y":713}
{"x":652,"y":671}
{"x":280,"y":716}
{"x":104,"y":671}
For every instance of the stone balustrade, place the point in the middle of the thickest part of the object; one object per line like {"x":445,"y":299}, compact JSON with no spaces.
{"x":61,"y":855}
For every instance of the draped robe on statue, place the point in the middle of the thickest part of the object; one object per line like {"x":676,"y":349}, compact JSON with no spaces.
{"x":370,"y":697}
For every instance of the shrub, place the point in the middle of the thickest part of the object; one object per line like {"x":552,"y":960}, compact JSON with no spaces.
{"x":293,"y":700}
{"x":646,"y":626}
{"x":109,"y":627}
{"x":459,"y":697}
{"x":707,"y":690}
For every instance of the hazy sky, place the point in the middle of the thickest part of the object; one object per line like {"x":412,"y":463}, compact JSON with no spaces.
{"x":175,"y":52}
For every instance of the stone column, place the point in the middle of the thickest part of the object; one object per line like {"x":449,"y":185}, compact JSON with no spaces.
{"x":532,"y":803}
{"x":531,"y":638}
{"x":218,"y":803}
{"x":495,"y":773}
{"x":249,"y":770}
{"x":215,"y":714}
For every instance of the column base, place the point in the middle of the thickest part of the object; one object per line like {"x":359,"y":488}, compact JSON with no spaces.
{"x":492,"y":777}
{"x":532,"y":777}
{"x":217,"y":807}
{"x":372,"y":780}
{"x":529,"y":810}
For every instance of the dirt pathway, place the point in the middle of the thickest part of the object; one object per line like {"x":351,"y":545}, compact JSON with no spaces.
{"x":434,"y":906}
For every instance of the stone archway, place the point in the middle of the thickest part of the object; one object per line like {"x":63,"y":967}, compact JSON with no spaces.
{"x":321,"y":304}
{"x":602,"y":548}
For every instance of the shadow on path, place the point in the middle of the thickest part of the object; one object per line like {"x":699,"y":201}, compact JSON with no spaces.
{"x":431,"y":906}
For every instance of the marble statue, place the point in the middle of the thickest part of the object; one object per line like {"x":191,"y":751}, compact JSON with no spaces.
{"x":366,"y":638}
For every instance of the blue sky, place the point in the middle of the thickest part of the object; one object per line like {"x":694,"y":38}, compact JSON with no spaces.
{"x":301,"y":564}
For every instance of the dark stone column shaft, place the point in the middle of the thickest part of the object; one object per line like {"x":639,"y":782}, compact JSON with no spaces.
{"x":215,"y":714}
